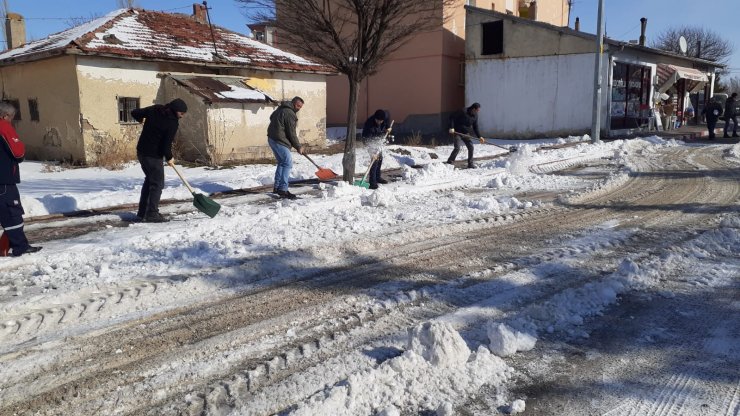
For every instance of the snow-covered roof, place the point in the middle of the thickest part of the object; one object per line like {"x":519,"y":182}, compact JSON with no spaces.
{"x":221,"y":89}
{"x":143,"y":34}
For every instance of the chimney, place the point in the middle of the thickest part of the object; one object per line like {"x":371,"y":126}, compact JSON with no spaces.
{"x":578,"y":24}
{"x":643,"y":25}
{"x":15,"y":30}
{"x":199,"y":13}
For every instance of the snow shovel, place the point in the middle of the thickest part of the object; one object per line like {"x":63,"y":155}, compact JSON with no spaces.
{"x":363,"y":182}
{"x":324,"y":174}
{"x":201,"y":202}
{"x":485,"y":141}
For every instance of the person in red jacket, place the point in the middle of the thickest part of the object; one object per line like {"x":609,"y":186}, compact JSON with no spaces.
{"x":12,"y":152}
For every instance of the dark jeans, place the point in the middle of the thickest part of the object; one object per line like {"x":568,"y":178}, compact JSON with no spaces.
{"x":734,"y":125}
{"x":711,"y":125}
{"x":11,"y":218}
{"x":151,"y":191}
{"x":458,"y":142}
{"x":375,"y":170}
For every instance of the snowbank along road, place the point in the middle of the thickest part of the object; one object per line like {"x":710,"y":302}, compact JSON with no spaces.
{"x":594,"y":279}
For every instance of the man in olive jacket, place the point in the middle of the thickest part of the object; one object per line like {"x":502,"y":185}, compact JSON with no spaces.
{"x":731,"y":115}
{"x":281,"y":135}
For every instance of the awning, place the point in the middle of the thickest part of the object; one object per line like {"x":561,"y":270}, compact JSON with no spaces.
{"x":222,"y":88}
{"x":670,"y":74}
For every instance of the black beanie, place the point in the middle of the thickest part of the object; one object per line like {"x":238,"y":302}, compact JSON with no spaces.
{"x":178,"y":105}
{"x":379,"y":115}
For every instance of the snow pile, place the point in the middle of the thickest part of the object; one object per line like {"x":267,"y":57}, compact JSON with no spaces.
{"x":382,"y":197}
{"x":496,"y":205}
{"x":517,"y":407}
{"x":437,"y":367}
{"x":520,"y":162}
{"x":430,"y":173}
{"x":506,"y":341}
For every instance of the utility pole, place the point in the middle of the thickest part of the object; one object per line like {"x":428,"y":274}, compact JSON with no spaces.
{"x":596,"y":120}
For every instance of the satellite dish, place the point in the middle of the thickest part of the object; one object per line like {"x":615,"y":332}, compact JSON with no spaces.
{"x":682,"y":45}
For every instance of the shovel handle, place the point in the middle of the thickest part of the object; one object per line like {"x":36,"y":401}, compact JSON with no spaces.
{"x":181,"y":177}
{"x":485,"y":141}
{"x":314,"y":163}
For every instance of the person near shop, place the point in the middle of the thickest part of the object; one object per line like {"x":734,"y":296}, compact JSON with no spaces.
{"x":155,"y":144}
{"x":13,"y":240}
{"x":281,"y":136}
{"x":712,"y":112}
{"x":731,"y":115}
{"x":463,"y":126}
{"x":374,"y":134}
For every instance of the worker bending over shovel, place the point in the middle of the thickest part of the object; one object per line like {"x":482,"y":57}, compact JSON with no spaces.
{"x":374,"y":134}
{"x":465,"y":122}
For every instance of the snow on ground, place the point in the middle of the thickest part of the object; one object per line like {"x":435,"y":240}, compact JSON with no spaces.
{"x":280,"y":238}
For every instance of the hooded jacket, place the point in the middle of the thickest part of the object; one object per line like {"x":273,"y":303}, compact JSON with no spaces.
{"x":282,"y":126}
{"x":159,"y":130}
{"x":465,"y":122}
{"x":12,"y":152}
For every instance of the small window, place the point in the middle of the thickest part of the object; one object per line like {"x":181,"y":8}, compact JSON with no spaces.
{"x":17,"y":105}
{"x":33,"y":109}
{"x":493,"y":38}
{"x":259,"y":36}
{"x":461,"y":79}
{"x":125,"y":106}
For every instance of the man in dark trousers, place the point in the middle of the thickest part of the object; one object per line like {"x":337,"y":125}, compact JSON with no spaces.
{"x":731,"y":114}
{"x":281,"y":136}
{"x":465,"y":122}
{"x":373,"y":134}
{"x":12,"y":152}
{"x":155,"y":145}
{"x":712,"y":112}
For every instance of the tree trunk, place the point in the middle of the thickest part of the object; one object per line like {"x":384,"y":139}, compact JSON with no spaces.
{"x":348,"y":161}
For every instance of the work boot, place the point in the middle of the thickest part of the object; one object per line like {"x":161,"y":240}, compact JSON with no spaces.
{"x":373,"y":186}
{"x":472,"y":165}
{"x":155,"y":217}
{"x":735,"y":135}
{"x":382,"y":181}
{"x":29,"y":250}
{"x":286,"y":195}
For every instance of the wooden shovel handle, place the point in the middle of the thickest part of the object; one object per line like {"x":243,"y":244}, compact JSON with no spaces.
{"x":181,"y":177}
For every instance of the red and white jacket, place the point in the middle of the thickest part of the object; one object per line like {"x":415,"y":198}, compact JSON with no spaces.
{"x":12,"y":152}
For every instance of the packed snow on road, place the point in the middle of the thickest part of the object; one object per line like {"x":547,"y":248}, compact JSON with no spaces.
{"x":541,"y":282}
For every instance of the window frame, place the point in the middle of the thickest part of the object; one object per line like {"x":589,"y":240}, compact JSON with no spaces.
{"x":124,"y":106}
{"x":33,"y":109}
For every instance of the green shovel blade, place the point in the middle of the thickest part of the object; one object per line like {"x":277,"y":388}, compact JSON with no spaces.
{"x":206,"y":205}
{"x":362,"y":183}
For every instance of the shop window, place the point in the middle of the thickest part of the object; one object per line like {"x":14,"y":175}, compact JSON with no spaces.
{"x":33,"y":109}
{"x":630,"y":101}
{"x":125,"y":106}
{"x":493,"y":38}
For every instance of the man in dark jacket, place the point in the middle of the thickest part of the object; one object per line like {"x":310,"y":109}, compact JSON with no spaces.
{"x":155,"y":144}
{"x":281,"y":136}
{"x":465,"y":122}
{"x":373,"y":134}
{"x":12,"y":152}
{"x":712,"y":112}
{"x":731,"y":114}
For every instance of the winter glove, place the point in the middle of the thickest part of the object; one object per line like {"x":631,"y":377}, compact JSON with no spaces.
{"x":171,"y":162}
{"x":452,"y":131}
{"x":482,"y":140}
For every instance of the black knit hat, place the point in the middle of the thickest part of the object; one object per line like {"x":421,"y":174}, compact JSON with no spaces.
{"x":474,"y":106}
{"x":379,"y":115}
{"x":178,"y":105}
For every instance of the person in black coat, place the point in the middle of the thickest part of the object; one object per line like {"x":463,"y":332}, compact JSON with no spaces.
{"x":373,"y":133}
{"x":712,"y":112}
{"x":731,"y":114}
{"x":12,"y":152}
{"x":465,"y":122}
{"x":155,"y":144}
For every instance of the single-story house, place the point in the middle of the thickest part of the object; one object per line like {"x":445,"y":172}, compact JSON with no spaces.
{"x":535,"y":79}
{"x":75,"y":89}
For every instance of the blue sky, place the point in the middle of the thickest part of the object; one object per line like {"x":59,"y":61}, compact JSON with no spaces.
{"x":44,"y":17}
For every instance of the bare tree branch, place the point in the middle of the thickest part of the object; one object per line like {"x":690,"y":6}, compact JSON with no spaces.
{"x":351,"y":36}
{"x":713,"y":46}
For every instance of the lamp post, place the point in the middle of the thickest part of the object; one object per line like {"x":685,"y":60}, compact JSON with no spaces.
{"x":596,"y":119}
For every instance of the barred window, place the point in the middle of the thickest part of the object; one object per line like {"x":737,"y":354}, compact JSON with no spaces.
{"x":125,"y":106}
{"x":17,"y":105}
